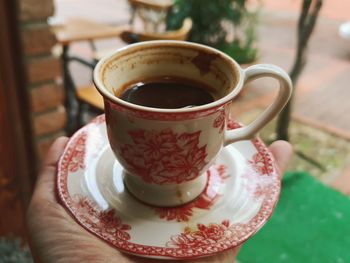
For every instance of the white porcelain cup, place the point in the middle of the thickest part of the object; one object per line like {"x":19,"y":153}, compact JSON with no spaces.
{"x":166,"y":152}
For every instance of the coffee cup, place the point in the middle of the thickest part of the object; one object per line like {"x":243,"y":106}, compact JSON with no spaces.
{"x":166,"y":152}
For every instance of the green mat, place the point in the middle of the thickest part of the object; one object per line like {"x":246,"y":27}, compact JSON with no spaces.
{"x":311,"y":224}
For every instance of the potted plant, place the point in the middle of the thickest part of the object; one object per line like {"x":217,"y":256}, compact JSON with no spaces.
{"x":228,"y":25}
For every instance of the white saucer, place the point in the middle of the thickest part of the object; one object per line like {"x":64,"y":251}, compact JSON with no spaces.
{"x":242,"y":191}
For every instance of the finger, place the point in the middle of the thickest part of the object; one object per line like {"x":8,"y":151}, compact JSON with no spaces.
{"x":46,"y":180}
{"x":282,"y":151}
{"x":55,"y":151}
{"x":226,"y":256}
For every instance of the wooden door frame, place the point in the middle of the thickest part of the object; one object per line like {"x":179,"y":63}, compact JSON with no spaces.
{"x":16,"y":138}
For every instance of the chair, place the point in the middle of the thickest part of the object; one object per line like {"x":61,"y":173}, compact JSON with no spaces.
{"x":87,"y":97}
{"x":152,"y":14}
{"x":67,"y":33}
{"x":133,"y":36}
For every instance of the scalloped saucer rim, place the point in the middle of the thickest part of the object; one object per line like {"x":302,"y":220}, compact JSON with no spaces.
{"x":242,"y":191}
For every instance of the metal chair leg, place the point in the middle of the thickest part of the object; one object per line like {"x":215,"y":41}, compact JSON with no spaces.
{"x":80,"y":114}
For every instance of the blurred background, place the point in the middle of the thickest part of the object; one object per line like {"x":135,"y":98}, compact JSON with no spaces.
{"x":49,"y":48}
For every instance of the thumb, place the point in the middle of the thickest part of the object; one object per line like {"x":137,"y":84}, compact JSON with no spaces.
{"x":282,"y":151}
{"x":45,"y":185}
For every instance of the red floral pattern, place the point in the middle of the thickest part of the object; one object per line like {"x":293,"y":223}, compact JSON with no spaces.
{"x":219,"y":122}
{"x":78,"y":157}
{"x":100,"y":221}
{"x":216,"y":176}
{"x":176,"y":116}
{"x":231,"y":124}
{"x":262,"y":161}
{"x":165,"y":157}
{"x":99,"y":119}
{"x":178,"y":245}
{"x":258,"y":163}
{"x":179,"y":214}
{"x":256,"y":184}
{"x":203,"y":237}
{"x":258,"y":180}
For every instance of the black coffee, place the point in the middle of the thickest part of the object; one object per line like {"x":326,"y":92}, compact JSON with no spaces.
{"x":167,"y":93}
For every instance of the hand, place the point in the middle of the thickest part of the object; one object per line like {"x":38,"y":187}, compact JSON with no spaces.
{"x":55,"y":237}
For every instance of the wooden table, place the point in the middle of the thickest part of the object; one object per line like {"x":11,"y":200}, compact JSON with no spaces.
{"x":79,"y":29}
{"x":74,"y":30}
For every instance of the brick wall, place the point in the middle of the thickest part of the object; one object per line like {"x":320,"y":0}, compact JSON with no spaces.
{"x":43,"y":72}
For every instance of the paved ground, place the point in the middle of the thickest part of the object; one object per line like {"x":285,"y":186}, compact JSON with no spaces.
{"x":322,"y":92}
{"x":334,"y":9}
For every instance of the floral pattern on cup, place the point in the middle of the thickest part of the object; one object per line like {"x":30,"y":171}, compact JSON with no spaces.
{"x":216,"y":177}
{"x":164,"y":157}
{"x":219,"y":121}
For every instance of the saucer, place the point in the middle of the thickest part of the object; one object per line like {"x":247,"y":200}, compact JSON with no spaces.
{"x":241,"y":193}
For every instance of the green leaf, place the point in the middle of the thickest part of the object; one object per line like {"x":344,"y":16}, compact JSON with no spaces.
{"x":208,"y":17}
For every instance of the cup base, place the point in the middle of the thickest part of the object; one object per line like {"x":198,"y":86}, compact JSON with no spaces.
{"x":165,"y":195}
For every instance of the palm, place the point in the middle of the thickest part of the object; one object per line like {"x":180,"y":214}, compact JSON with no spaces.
{"x":60,"y":239}
{"x":56,"y":237}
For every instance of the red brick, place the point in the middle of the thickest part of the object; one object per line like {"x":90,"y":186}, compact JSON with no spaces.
{"x":46,"y":97}
{"x":50,"y":122}
{"x":43,"y":69}
{"x":35,"y":9}
{"x":37,"y":40}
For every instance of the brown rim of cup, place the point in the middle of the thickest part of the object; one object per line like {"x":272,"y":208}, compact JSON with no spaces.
{"x":107,"y":95}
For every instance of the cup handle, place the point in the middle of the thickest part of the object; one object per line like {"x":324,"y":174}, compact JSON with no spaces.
{"x":285,"y":91}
